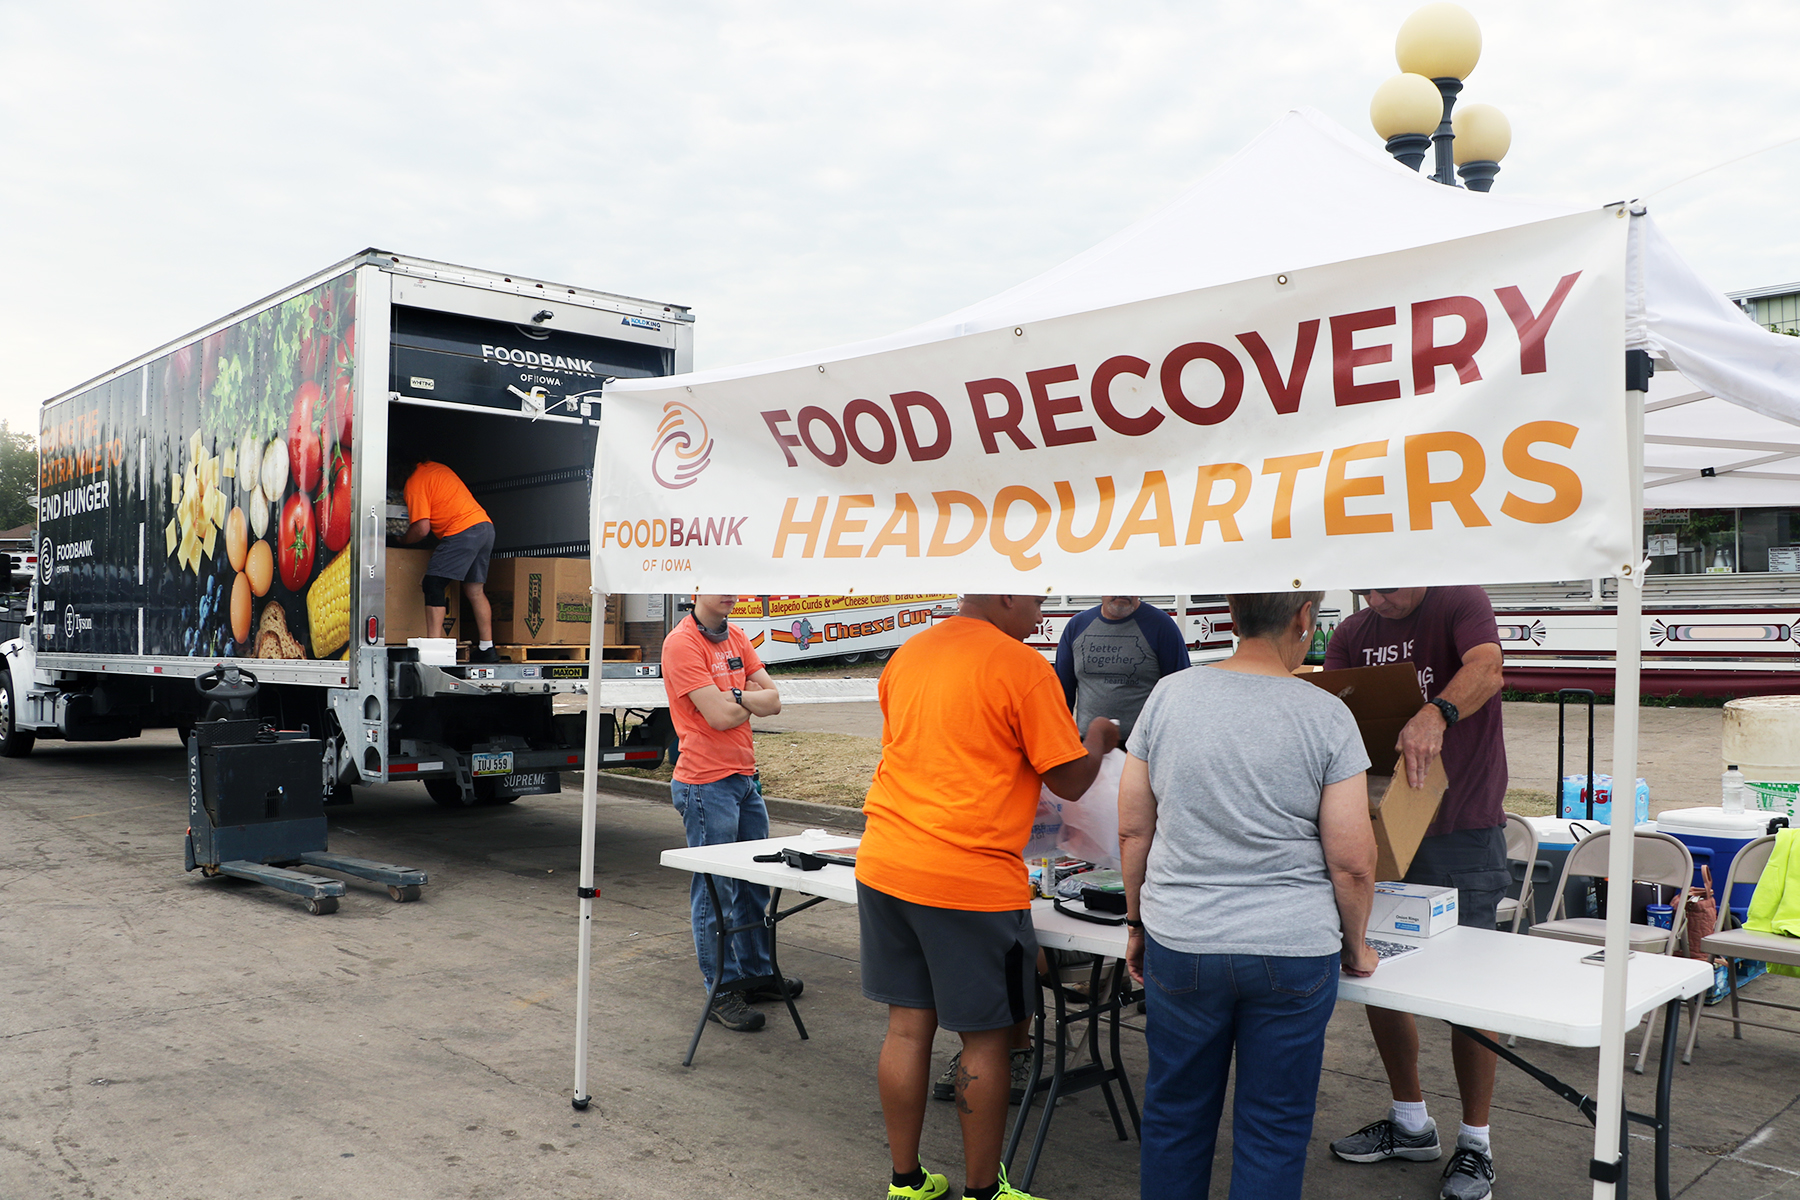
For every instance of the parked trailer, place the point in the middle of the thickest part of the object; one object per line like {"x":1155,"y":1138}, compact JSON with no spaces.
{"x":230,"y":495}
{"x":1702,"y":635}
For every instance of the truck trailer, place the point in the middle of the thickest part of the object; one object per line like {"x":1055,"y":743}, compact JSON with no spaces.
{"x":237,"y":494}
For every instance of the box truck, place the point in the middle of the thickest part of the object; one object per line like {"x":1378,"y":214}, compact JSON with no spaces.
{"x":237,"y":494}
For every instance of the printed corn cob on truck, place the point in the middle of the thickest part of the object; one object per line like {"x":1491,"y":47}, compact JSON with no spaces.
{"x":235,"y":495}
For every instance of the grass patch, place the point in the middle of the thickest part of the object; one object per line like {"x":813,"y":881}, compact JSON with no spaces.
{"x":825,"y":768}
{"x":1529,"y":802}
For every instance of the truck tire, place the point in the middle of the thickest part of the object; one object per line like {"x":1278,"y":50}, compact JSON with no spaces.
{"x":444,"y":790}
{"x":13,"y":744}
{"x":447,"y":792}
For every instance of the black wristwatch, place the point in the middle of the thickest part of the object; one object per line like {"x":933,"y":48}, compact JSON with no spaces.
{"x":1451,"y":716}
{"x":738,"y":695}
{"x":1131,"y":924}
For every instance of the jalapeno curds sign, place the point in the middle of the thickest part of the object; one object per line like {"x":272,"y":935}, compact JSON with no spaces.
{"x":1417,"y":417}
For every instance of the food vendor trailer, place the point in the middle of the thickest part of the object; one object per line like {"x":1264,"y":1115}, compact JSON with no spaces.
{"x":234,"y":494}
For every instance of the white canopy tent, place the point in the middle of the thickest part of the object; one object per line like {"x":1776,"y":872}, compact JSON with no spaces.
{"x":1264,"y":215}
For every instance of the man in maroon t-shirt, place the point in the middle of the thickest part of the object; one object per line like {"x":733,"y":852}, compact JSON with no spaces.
{"x":1449,"y":635}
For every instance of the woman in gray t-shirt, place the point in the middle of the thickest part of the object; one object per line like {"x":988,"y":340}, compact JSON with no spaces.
{"x":1249,"y":866}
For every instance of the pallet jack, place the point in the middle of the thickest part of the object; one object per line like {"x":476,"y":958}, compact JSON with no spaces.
{"x":256,"y":802}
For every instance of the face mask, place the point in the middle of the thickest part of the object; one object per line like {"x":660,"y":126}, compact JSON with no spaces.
{"x":714,"y":636}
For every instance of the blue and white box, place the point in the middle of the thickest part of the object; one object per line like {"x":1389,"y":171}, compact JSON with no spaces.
{"x":1573,"y":805}
{"x":1412,"y":910}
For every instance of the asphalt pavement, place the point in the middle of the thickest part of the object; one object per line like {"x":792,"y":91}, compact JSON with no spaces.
{"x":165,"y":1035}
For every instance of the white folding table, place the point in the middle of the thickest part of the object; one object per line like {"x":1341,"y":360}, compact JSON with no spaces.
{"x":1476,"y":979}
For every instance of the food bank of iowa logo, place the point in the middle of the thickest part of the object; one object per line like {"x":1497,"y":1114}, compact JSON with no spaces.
{"x":683,"y":447}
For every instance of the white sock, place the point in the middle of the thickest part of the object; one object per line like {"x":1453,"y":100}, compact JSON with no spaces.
{"x":1409,"y":1115}
{"x":1476,"y":1133}
{"x":484,"y":645}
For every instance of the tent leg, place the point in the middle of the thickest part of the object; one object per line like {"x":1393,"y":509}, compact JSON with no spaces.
{"x":1609,"y":1087}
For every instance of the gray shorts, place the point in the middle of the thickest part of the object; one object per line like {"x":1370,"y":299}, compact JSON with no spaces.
{"x":464,"y":556}
{"x":977,"y":969}
{"x":1473,"y":861}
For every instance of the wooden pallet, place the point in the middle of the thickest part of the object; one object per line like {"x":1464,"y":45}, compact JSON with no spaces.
{"x":544,"y":652}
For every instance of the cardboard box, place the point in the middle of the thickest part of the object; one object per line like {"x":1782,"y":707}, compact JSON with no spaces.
{"x":1401,"y":814}
{"x":541,"y":601}
{"x":1383,"y":699}
{"x":1412,"y":909}
{"x":404,"y":612}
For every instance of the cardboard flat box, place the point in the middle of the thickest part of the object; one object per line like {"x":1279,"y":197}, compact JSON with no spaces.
{"x":404,"y":613}
{"x":1413,"y":909}
{"x":1401,"y":813}
{"x":1383,"y":699}
{"x":542,"y":601}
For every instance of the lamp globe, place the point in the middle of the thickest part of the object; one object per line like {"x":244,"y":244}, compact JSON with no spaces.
{"x":1439,"y":41}
{"x":1483,"y":134}
{"x":1406,"y":103}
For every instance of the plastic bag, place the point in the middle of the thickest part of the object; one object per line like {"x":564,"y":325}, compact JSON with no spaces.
{"x":1046,"y":828}
{"x":1090,"y":825}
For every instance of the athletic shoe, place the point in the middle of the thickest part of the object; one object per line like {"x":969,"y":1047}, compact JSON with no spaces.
{"x":1021,"y":1074}
{"x":768,"y":992}
{"x":729,"y":1010}
{"x":945,"y":1087}
{"x":933,"y":1187}
{"x":1008,"y":1191}
{"x":490,"y":655}
{"x":1382,"y":1140}
{"x":1470,"y":1175}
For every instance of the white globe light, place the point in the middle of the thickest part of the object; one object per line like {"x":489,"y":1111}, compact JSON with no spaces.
{"x":1483,"y":134}
{"x":1406,"y":104}
{"x":1439,"y":41}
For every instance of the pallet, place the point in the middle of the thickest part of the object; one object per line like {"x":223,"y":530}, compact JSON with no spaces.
{"x":545,"y":652}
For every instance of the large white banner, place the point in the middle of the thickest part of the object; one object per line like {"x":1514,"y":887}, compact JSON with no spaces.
{"x":1434,"y":416}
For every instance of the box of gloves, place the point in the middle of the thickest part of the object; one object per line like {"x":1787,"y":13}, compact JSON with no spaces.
{"x":1412,"y":909}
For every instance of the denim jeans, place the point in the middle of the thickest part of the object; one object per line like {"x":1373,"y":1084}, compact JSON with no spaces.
{"x":1274,"y":1011}
{"x":726,"y":810}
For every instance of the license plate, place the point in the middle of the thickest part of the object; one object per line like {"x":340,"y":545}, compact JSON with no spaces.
{"x":493,"y":764}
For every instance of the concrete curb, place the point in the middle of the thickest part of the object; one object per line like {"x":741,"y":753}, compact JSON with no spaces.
{"x":799,"y":812}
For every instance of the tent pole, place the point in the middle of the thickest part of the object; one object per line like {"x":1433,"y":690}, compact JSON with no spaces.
{"x":1609,"y":1088}
{"x":589,"y":772}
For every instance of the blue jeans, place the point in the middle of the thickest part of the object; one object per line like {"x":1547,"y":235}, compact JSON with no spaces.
{"x":1274,"y":1010}
{"x":726,"y":810}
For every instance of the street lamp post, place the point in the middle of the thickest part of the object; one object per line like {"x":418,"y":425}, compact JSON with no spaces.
{"x":1414,"y":111}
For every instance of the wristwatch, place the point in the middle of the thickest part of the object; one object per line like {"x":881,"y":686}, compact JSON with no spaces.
{"x":737,"y":694}
{"x":1451,"y":716}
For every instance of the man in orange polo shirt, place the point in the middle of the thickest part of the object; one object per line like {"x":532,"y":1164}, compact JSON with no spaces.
{"x":438,"y":502}
{"x":974,"y":723}
{"x":715,"y":683}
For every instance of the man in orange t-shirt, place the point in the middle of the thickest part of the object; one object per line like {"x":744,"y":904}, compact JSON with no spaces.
{"x":974,"y":725}
{"x":438,"y":502}
{"x":716,"y":683}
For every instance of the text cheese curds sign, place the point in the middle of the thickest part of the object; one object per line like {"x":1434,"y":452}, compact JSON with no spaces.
{"x":1423,"y":417}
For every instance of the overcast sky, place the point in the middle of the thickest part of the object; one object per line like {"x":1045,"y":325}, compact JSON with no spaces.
{"x":802,"y":174}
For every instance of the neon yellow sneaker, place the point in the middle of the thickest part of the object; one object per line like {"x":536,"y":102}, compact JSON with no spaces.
{"x":933,"y":1187}
{"x":1008,"y":1191}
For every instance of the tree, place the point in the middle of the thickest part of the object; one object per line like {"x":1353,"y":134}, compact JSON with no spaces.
{"x":18,"y":477}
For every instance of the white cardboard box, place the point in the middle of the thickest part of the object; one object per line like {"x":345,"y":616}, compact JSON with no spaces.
{"x":1412,"y":909}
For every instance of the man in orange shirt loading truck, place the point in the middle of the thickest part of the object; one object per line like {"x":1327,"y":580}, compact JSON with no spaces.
{"x":974,"y":724}
{"x":438,"y":502}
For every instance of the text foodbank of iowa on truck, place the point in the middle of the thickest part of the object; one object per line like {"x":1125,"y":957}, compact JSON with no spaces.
{"x":232,"y":496}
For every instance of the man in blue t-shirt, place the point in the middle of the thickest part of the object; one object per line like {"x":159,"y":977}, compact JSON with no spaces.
{"x":1112,"y":655}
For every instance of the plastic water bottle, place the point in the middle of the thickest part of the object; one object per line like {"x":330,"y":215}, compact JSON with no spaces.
{"x":1731,"y":792}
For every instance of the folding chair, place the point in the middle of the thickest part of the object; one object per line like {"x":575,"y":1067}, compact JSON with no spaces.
{"x":1732,"y":943}
{"x":1656,"y":858}
{"x":1521,"y":846}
